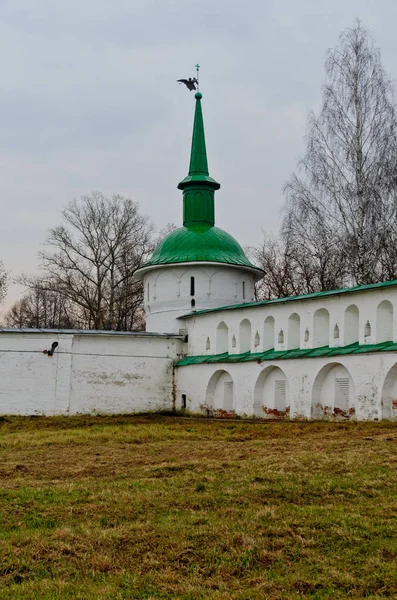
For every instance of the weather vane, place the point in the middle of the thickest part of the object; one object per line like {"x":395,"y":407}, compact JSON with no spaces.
{"x":191,"y":83}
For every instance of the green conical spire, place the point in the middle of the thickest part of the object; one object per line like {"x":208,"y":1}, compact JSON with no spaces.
{"x":198,"y":155}
{"x":198,"y":187}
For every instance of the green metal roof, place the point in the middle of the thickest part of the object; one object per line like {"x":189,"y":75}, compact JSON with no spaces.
{"x":198,"y":240}
{"x":324,"y":351}
{"x":358,"y":288}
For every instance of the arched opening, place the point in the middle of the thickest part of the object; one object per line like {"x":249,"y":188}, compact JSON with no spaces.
{"x":271,"y":394}
{"x":321,"y":328}
{"x":166,"y":286}
{"x":192,"y":286}
{"x":351,"y":333}
{"x":389,"y":395}
{"x":268,"y":334}
{"x":294,"y":331}
{"x":220,"y":392}
{"x":245,"y":336}
{"x":384,"y":322}
{"x":222,"y":338}
{"x":333,"y":393}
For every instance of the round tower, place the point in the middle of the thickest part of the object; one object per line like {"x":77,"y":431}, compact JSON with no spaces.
{"x":197,"y":266}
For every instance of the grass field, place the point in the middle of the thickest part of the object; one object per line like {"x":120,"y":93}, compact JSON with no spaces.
{"x":162,"y":507}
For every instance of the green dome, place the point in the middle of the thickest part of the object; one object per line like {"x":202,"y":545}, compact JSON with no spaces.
{"x":199,"y":242}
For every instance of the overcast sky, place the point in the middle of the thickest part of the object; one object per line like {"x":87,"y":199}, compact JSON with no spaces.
{"x":89,"y":101}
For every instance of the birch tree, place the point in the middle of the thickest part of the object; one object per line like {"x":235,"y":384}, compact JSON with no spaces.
{"x":340,"y":222}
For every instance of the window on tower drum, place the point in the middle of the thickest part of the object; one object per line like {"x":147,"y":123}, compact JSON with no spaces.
{"x":192,"y":286}
{"x":243,"y":290}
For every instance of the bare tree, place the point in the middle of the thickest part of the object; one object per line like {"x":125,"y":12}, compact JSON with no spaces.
{"x":90,"y":259}
{"x":42,"y":309}
{"x":340,"y":224}
{"x":3,"y":282}
{"x":292,"y":268}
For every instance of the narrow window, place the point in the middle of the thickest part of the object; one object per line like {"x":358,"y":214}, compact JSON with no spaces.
{"x":208,"y":344}
{"x":192,"y":290}
{"x":243,"y":290}
{"x":183,"y":401}
{"x":257,"y":340}
{"x":336,"y":332}
{"x":193,"y":303}
{"x":306,"y":335}
{"x":281,"y":337}
{"x":234,"y":341}
{"x":148,"y":292}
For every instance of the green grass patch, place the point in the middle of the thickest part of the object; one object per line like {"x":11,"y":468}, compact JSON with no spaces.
{"x":148,"y":507}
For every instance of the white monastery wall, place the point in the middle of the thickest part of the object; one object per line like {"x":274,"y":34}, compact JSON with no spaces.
{"x":88,"y":373}
{"x":170,"y":292}
{"x":367,"y":317}
{"x":110,"y":372}
{"x":362,"y":387}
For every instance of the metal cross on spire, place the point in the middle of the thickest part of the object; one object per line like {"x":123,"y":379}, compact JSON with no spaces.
{"x":197,"y":76}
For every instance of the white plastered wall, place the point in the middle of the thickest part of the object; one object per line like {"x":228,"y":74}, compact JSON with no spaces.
{"x":87,"y":373}
{"x":367,"y":374}
{"x":370,"y":395}
{"x":204,"y":326}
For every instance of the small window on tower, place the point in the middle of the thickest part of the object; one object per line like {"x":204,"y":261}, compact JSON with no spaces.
{"x":192,"y":290}
{"x":243,"y":290}
{"x":148,"y":292}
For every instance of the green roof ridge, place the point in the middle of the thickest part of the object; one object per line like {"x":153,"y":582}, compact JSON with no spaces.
{"x":272,"y":354}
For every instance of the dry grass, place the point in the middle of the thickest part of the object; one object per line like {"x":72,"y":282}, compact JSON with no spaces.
{"x":150,"y":507}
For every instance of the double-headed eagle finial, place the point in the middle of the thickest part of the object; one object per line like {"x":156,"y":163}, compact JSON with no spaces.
{"x":191,"y":83}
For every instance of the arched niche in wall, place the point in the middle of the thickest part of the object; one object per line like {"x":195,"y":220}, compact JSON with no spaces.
{"x":321,"y":328}
{"x":220,"y":391}
{"x":223,"y":285}
{"x":166,"y":286}
{"x":389,"y":395}
{"x":245,"y":336}
{"x":222,"y":338}
{"x":294,"y":331}
{"x":333,"y":393}
{"x":384,"y":322}
{"x":268,"y":333}
{"x":271,"y":394}
{"x":351,"y":329}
